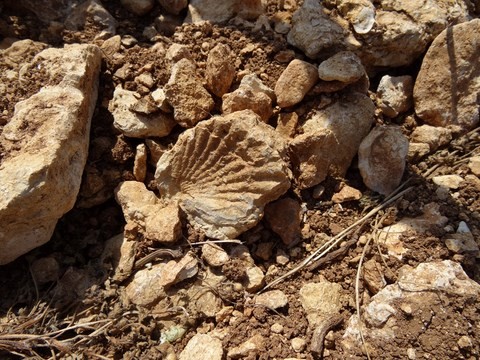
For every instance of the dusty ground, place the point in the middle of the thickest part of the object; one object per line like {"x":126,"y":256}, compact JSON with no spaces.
{"x":35,"y":315}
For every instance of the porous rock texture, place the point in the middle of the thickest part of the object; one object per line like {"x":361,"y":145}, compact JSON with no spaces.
{"x":46,"y":143}
{"x":223,"y":172}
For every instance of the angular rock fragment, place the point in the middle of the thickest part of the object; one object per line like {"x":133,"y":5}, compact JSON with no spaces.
{"x":285,"y":217}
{"x":46,"y":146}
{"x":395,"y":94}
{"x":294,"y":83}
{"x":220,"y":71}
{"x":137,"y":124}
{"x":344,"y":66}
{"x":214,"y":255}
{"x":223,"y":172}
{"x":189,"y":99}
{"x":287,"y":124}
{"x":273,"y":299}
{"x":253,"y":82}
{"x":245,"y":98}
{"x":447,"y":87}
{"x":252,"y":347}
{"x":433,"y":136}
{"x":382,"y":157}
{"x":140,"y":163}
{"x":208,"y":346}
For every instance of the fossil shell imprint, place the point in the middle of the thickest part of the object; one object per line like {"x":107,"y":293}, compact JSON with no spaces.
{"x":224,"y":171}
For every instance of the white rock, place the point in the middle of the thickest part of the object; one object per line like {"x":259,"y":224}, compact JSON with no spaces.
{"x":294,"y":82}
{"x":214,"y":255}
{"x":273,"y":299}
{"x":46,"y":147}
{"x":359,"y":13}
{"x":395,"y":94}
{"x":382,"y":158}
{"x":447,"y":86}
{"x":344,"y":66}
{"x":313,"y":31}
{"x":320,"y":300}
{"x":204,"y":346}
{"x":189,"y":99}
{"x":133,"y":124}
{"x":448,"y":181}
{"x":158,"y":95}
{"x":208,"y":188}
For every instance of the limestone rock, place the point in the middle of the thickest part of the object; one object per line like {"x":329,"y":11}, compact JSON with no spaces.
{"x":244,"y":98}
{"x":218,"y":12}
{"x":255,"y":279}
{"x":287,"y":124}
{"x":330,"y":139}
{"x":138,"y":7}
{"x":220,"y":71}
{"x":253,"y":82}
{"x":452,"y":181}
{"x":344,"y":66}
{"x":155,"y":220}
{"x":294,"y":82}
{"x":273,"y":299}
{"x":462,"y":241}
{"x":474,"y":165}
{"x":285,"y":217}
{"x":347,"y":193}
{"x":433,"y":136}
{"x":359,"y":13}
{"x":203,"y":345}
{"x":447,"y":86}
{"x":189,"y":99}
{"x":135,"y":124}
{"x":119,"y":256}
{"x":320,"y":300}
{"x":405,"y":303}
{"x":381,"y":158}
{"x":253,"y":346}
{"x":223,"y":172}
{"x":177,"y":52}
{"x":140,"y":163}
{"x":395,"y":94}
{"x":313,"y":31}
{"x":174,"y":6}
{"x":214,"y":255}
{"x":46,"y":146}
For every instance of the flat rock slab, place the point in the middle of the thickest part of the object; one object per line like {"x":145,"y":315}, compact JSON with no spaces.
{"x":46,"y":144}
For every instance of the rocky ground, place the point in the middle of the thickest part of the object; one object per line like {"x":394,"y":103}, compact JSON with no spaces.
{"x":239,"y":179}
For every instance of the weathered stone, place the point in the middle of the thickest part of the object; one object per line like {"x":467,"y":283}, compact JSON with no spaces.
{"x":347,"y":193}
{"x":203,"y":345}
{"x":111,"y":46}
{"x":208,"y":171}
{"x":417,"y":150}
{"x":474,"y":165}
{"x":255,"y":279}
{"x":449,"y":181}
{"x":177,"y":52}
{"x":331,"y":139}
{"x":298,"y":344}
{"x":138,"y":7}
{"x":189,"y":99}
{"x":149,"y":215}
{"x":287,"y":124}
{"x":320,"y":300}
{"x":46,"y":146}
{"x":156,"y":150}
{"x":395,"y":94}
{"x":214,"y":255}
{"x":220,"y":71}
{"x":285,"y":217}
{"x":313,"y":31}
{"x":447,"y":85}
{"x":135,"y":124}
{"x":119,"y":255}
{"x":273,"y":299}
{"x":253,"y":346}
{"x":174,"y":6}
{"x":90,"y":10}
{"x":158,"y":96}
{"x":253,"y":82}
{"x":433,"y":136}
{"x":145,"y":79}
{"x":245,"y":99}
{"x":344,"y":66}
{"x":264,"y":250}
{"x":405,"y":303}
{"x":294,"y":82}
{"x":218,"y":12}
{"x":462,"y":241}
{"x":373,"y":276}
{"x":381,"y":158}
{"x":140,"y":163}
{"x":359,"y":13}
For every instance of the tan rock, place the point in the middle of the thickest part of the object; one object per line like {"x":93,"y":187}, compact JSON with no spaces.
{"x":273,"y":299}
{"x":294,"y":82}
{"x":189,"y":99}
{"x":433,"y":136}
{"x":214,"y":255}
{"x":344,"y":66}
{"x":156,"y":150}
{"x":220,"y":71}
{"x":210,"y":172}
{"x":158,"y":96}
{"x":287,"y":124}
{"x":255,"y":279}
{"x":447,"y":86}
{"x":119,"y":255}
{"x":177,"y":52}
{"x":347,"y":193}
{"x":135,"y":124}
{"x":395,"y":94}
{"x":253,"y":82}
{"x":474,"y":165}
{"x":208,"y":346}
{"x":245,"y":98}
{"x":174,"y":6}
{"x":140,"y":163}
{"x":254,"y":345}
{"x":452,"y":181}
{"x":285,"y":217}
{"x":151,"y":217}
{"x":382,"y":157}
{"x":46,"y":147}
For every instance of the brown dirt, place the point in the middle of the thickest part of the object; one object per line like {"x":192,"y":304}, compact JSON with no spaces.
{"x":84,"y":290}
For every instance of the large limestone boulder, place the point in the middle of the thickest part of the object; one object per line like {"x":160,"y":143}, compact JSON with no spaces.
{"x":45,"y":147}
{"x":448,"y":84}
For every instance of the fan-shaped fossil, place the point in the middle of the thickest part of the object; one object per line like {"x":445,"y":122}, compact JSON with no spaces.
{"x":224,"y":171}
